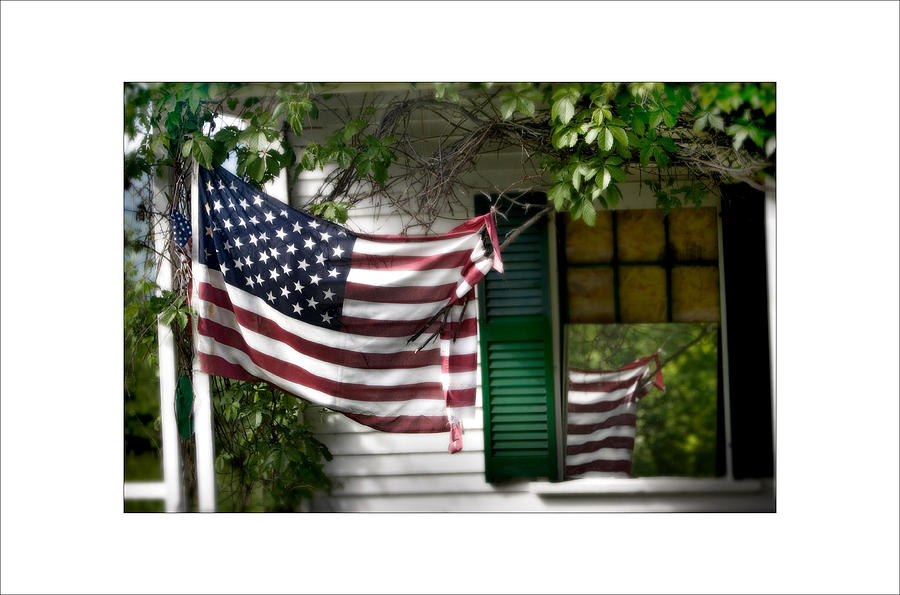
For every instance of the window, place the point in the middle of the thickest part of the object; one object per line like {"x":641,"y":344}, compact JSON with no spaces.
{"x":638,"y":281}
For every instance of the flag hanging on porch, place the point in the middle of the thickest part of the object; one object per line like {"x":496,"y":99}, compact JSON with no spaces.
{"x":380,"y":328}
{"x":602,"y":408}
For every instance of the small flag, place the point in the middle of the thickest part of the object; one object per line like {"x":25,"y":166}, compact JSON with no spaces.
{"x":602,"y":407}
{"x":181,"y":229}
{"x":380,"y":328}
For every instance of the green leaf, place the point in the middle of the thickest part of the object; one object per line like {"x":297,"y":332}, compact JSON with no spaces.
{"x":588,"y":213}
{"x":739,"y":138}
{"x":591,"y":135}
{"x":717,"y":122}
{"x":668,"y":144}
{"x":700,"y":123}
{"x":202,"y":151}
{"x":655,"y":119}
{"x":660,"y":155}
{"x":231,"y":102}
{"x":563,"y":109}
{"x":638,"y":126}
{"x":604,"y":178}
{"x":526,"y":106}
{"x":645,"y":156}
{"x":559,"y":194}
{"x":606,"y":140}
{"x":186,"y":148}
{"x":257,"y":419}
{"x":194,"y":100}
{"x":353,"y":128}
{"x":257,"y":169}
{"x":619,"y":135}
{"x":617,"y":174}
{"x":756,"y":136}
{"x":576,"y":179}
{"x":670,"y":119}
{"x":507,"y":108}
{"x":613,"y":195}
{"x":770,"y":146}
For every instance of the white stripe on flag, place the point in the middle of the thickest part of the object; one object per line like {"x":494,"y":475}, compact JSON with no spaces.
{"x":615,"y":431}
{"x":404,"y":278}
{"x":413,"y":248}
{"x":586,"y":419}
{"x":583,"y":377}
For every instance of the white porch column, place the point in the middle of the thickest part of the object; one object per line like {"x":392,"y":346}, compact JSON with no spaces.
{"x":167,"y":369}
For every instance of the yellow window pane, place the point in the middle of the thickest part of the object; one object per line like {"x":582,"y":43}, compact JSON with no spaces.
{"x":590,"y":244}
{"x":692,"y":233}
{"x":695,"y":294}
{"x":641,"y":235}
{"x":591,"y":295}
{"x":642,"y":293}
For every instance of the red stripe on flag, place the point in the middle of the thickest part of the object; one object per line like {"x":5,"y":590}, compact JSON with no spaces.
{"x":611,"y":442}
{"x":217,"y":366}
{"x":398,"y":295}
{"x":412,"y":424}
{"x":464,"y":397}
{"x":405,"y":328}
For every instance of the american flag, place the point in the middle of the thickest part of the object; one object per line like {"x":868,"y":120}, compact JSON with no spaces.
{"x":328,"y":315}
{"x":602,"y":407}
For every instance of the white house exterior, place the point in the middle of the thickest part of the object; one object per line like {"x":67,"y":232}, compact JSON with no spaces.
{"x":377,"y":471}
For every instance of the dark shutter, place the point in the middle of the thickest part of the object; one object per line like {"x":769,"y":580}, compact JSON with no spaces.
{"x":517,"y":353}
{"x":746,"y":307}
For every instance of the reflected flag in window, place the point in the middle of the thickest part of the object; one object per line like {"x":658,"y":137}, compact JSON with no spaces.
{"x":601,"y":414}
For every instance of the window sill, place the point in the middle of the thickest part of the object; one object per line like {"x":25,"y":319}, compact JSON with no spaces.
{"x":600,"y":486}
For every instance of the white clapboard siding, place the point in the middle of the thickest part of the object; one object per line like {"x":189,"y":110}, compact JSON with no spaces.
{"x":362,"y":465}
{"x":409,"y":485}
{"x":384,"y":443}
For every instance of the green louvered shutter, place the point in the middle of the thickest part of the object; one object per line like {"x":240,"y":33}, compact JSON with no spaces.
{"x":517,"y":354}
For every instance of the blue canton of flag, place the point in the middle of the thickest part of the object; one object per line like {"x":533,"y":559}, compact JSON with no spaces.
{"x":296,"y":262}
{"x":181,"y":228}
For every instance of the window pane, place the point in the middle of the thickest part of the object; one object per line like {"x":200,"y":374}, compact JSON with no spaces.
{"x":591,"y":295}
{"x":695,"y":294}
{"x":641,"y":235}
{"x":590,"y":244}
{"x":692,"y":234}
{"x":642,"y":293}
{"x":674,"y":433}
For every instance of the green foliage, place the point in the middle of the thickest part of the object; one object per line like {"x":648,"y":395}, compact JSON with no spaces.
{"x":141,"y":389}
{"x":267,"y":456}
{"x":595,"y":133}
{"x":645,"y":124}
